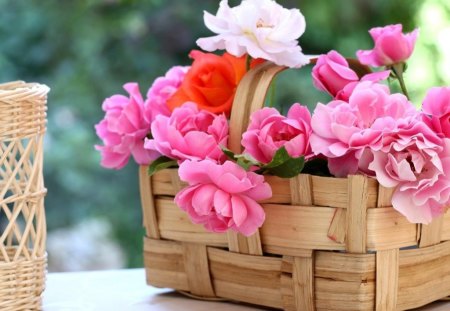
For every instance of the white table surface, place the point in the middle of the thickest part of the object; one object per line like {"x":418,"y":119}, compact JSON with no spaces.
{"x":126,"y":290}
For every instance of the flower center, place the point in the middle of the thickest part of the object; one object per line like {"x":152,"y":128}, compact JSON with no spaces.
{"x":261,"y":24}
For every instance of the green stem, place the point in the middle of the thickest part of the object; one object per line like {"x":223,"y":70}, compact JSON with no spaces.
{"x":398,"y":70}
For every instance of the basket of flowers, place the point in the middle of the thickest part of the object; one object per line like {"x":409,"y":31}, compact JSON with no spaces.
{"x":344,"y":208}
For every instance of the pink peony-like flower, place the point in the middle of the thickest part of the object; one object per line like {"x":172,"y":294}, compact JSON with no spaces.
{"x":222,"y":197}
{"x":417,"y":162}
{"x":123,"y":130}
{"x":392,"y":46}
{"x":333,"y":75}
{"x":260,"y":28}
{"x":436,"y":107}
{"x":268,"y":131}
{"x":342,"y":130}
{"x":189,"y":133}
{"x":161,"y":90}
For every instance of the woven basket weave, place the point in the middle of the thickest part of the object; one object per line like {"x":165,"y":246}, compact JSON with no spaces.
{"x":22,"y":220}
{"x":326,"y":244}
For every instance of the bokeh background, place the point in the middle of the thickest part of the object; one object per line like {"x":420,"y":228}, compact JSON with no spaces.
{"x":86,"y":50}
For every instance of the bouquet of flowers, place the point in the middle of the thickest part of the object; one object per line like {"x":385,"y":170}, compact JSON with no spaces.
{"x":365,"y":128}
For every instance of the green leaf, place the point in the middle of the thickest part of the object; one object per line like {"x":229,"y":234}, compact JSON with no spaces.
{"x":279,"y":158}
{"x":283,"y":165}
{"x":160,"y":164}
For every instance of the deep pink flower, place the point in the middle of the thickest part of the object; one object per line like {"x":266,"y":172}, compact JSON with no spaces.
{"x":161,"y":90}
{"x":268,"y":131}
{"x":189,"y":133}
{"x":333,"y":75}
{"x":436,"y":107}
{"x":123,"y":130}
{"x":417,"y":162}
{"x":342,"y":130}
{"x":392,"y":46}
{"x":222,"y":197}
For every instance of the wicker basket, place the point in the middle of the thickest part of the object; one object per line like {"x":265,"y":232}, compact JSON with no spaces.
{"x":22,"y":220}
{"x":326,"y":244}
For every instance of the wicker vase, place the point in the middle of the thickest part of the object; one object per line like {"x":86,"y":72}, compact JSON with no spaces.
{"x":331,"y":244}
{"x":23,"y":260}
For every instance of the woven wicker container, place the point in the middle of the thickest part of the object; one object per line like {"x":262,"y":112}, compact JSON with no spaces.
{"x":22,"y":219}
{"x":326,"y":244}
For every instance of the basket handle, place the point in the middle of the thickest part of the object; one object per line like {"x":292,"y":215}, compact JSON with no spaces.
{"x":250,"y":96}
{"x":251,"y":93}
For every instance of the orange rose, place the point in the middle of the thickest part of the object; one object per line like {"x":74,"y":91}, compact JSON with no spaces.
{"x":211,"y":82}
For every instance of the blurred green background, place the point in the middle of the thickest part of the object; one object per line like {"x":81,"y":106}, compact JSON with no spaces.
{"x":86,"y":50}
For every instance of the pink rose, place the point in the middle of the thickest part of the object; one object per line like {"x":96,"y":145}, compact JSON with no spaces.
{"x":391,"y":46}
{"x":333,"y":75}
{"x":161,"y":90}
{"x":189,"y":133}
{"x":342,"y":130}
{"x":417,"y":162}
{"x":123,"y":130}
{"x":222,"y":197}
{"x":436,"y":106}
{"x":268,"y":131}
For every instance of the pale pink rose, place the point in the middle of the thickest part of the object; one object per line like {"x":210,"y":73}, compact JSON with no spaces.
{"x":333,"y":75}
{"x":222,"y":197}
{"x":123,"y":130}
{"x":342,"y":130}
{"x":260,"y":28}
{"x":189,"y":133}
{"x":161,"y":90}
{"x":436,"y":107}
{"x":392,"y":46}
{"x":417,"y":162}
{"x":268,"y":131}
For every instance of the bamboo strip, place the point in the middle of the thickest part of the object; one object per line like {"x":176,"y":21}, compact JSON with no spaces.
{"x":245,"y":245}
{"x":385,"y":196}
{"x":174,"y":224}
{"x":303,"y":282}
{"x":326,"y":191}
{"x":287,"y":251}
{"x":287,"y":292}
{"x":357,"y":214}
{"x":337,"y":228}
{"x":431,"y":234}
{"x":148,"y":205}
{"x":247,"y":278}
{"x":388,"y":229}
{"x":344,"y":282}
{"x":303,"y":227}
{"x":164,"y":264}
{"x":197,"y":269}
{"x":424,"y":275}
{"x":301,"y":190}
{"x":387,"y":280}
{"x":446,"y":226}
